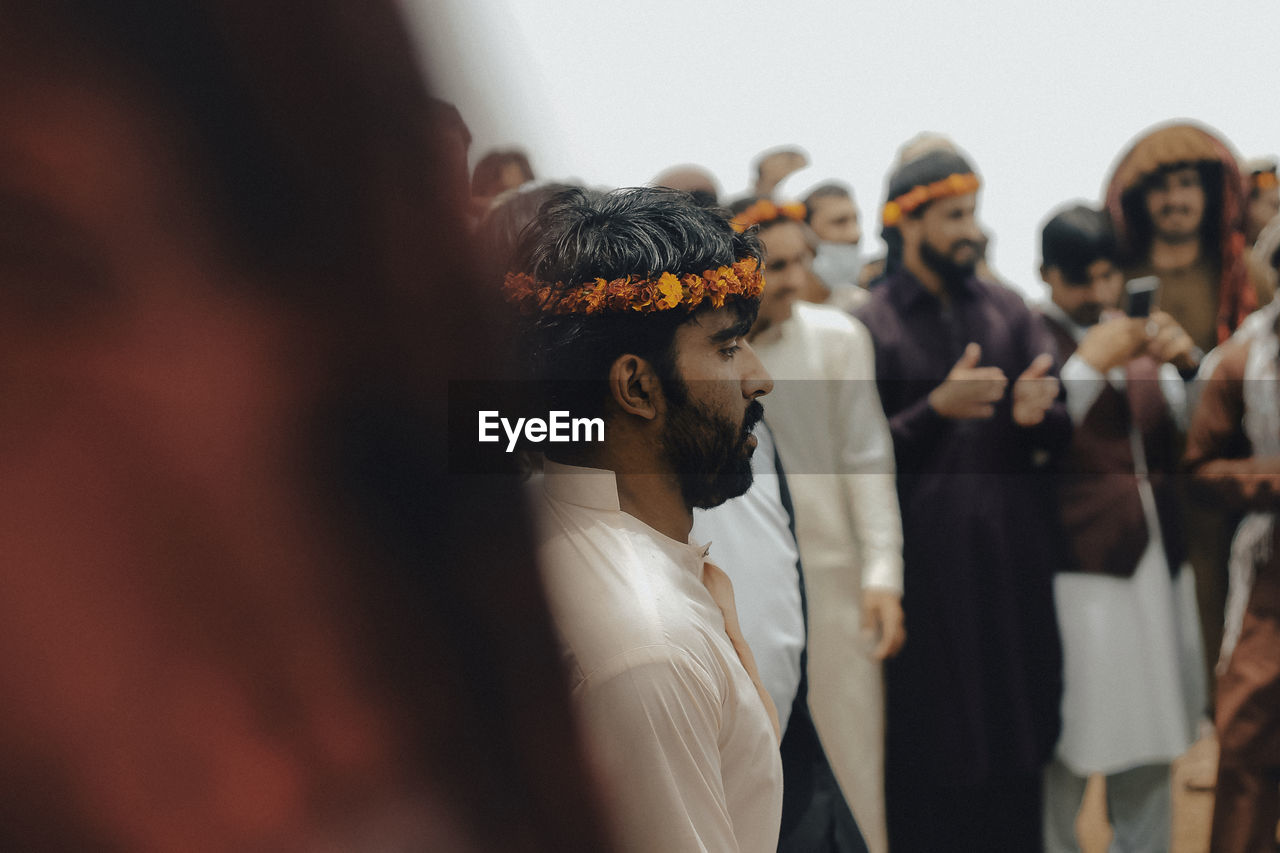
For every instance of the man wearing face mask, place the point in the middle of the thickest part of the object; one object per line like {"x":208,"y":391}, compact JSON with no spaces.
{"x":831,"y":213}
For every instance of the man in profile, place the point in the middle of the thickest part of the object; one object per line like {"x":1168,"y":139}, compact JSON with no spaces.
{"x":964,"y":372}
{"x":637,"y":304}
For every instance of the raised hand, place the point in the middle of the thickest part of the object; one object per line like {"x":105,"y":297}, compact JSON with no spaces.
{"x":1112,"y":342}
{"x":969,"y":391}
{"x":1170,"y":342}
{"x":1034,"y":392}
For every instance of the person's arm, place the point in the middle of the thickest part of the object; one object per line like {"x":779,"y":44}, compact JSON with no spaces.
{"x":866,"y":460}
{"x":654,"y":717}
{"x":1218,"y":455}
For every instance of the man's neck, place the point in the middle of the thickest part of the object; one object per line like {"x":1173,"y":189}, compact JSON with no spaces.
{"x":929,"y":277}
{"x":1176,"y":255}
{"x":645,"y":489}
{"x":656,"y":500}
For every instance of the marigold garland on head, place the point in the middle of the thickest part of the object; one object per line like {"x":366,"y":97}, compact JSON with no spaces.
{"x":764,"y":211}
{"x":952,"y":185}
{"x":661,"y":292}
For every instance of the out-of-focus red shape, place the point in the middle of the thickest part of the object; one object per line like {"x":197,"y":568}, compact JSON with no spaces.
{"x":242,"y":604}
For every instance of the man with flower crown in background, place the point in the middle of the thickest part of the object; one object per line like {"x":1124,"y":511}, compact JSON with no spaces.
{"x":835,"y":445}
{"x":965,"y":374}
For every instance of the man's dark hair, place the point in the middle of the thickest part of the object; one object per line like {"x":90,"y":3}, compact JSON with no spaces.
{"x":1141,"y":230}
{"x":1076,"y":237}
{"x":640,"y":231}
{"x":821,"y":192}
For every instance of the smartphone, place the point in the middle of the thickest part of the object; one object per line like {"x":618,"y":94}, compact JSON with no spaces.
{"x":1141,"y":293}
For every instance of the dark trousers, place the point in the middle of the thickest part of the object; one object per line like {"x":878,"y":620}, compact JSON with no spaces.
{"x":1002,"y":815}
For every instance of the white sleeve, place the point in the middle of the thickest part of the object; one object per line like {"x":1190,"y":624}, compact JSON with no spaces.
{"x":654,"y":719}
{"x":867,"y":465}
{"x":1084,"y":383}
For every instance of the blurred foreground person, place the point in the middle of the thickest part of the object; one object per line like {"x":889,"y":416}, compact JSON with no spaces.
{"x":1133,"y":682}
{"x":245,"y":608}
{"x":1233,"y":453}
{"x":965,"y":374}
{"x":634,"y":310}
{"x":835,"y":444}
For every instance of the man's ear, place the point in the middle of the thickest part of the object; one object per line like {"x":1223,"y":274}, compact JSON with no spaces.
{"x":1044,"y":275}
{"x":634,"y":386}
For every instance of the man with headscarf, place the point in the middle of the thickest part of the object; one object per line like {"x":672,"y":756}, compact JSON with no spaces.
{"x":1233,"y":452}
{"x":1176,"y":200}
{"x":972,"y":711}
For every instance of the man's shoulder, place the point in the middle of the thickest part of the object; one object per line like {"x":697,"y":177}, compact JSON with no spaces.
{"x":1008,"y":299}
{"x":879,"y":310}
{"x":826,"y":321}
{"x":619,"y":599}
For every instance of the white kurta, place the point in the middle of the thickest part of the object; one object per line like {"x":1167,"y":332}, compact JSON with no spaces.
{"x":837,"y":452}
{"x":750,"y":538}
{"x":688,"y":754}
{"x":1133,"y":681}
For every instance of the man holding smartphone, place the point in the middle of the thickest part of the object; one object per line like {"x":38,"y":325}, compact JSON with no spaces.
{"x":1132,"y":681}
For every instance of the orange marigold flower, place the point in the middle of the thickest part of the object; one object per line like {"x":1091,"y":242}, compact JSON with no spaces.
{"x":670,"y":292}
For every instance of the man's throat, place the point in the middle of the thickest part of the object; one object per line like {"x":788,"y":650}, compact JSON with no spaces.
{"x":1166,"y":255}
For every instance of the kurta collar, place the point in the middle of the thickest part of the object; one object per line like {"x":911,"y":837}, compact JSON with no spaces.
{"x":594,"y":488}
{"x":597,"y":488}
{"x":1052,"y":311}
{"x":908,"y":293}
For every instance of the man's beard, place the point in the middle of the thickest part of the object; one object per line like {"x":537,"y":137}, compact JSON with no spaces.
{"x":1087,"y":314}
{"x":946,"y":268}
{"x":1177,"y":237}
{"x":707,"y":451}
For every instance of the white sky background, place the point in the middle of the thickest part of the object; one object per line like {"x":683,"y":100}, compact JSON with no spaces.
{"x":1043,"y":96}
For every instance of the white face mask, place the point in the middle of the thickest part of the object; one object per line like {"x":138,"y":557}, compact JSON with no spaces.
{"x":838,"y":264}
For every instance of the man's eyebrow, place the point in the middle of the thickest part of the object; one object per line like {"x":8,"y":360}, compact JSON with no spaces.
{"x":728,"y":333}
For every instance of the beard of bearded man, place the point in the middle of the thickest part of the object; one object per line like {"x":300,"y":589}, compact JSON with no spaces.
{"x":941,"y":262}
{"x":707,"y":451}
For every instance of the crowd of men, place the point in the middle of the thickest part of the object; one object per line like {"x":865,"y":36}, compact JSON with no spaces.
{"x":969,"y":552}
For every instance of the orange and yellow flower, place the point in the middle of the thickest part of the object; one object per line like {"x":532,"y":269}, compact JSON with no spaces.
{"x":630,"y":293}
{"x":951,"y":185}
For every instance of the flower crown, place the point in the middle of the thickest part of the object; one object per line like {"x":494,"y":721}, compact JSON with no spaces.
{"x":635,"y":293}
{"x":1265,"y":180}
{"x":949,"y":186}
{"x":765,"y":210}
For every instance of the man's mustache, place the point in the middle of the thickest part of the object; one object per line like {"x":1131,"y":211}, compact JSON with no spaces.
{"x":755,"y":411}
{"x":977,"y":248}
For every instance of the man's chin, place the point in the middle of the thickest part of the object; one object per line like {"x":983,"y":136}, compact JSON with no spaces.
{"x":722,"y":487}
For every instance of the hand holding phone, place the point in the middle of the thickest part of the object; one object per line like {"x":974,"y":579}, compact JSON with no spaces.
{"x":1141,"y":295}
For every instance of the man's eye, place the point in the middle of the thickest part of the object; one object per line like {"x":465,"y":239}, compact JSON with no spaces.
{"x":730,"y":351}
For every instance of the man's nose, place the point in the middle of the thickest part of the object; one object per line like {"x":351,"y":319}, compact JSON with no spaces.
{"x":756,"y":381}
